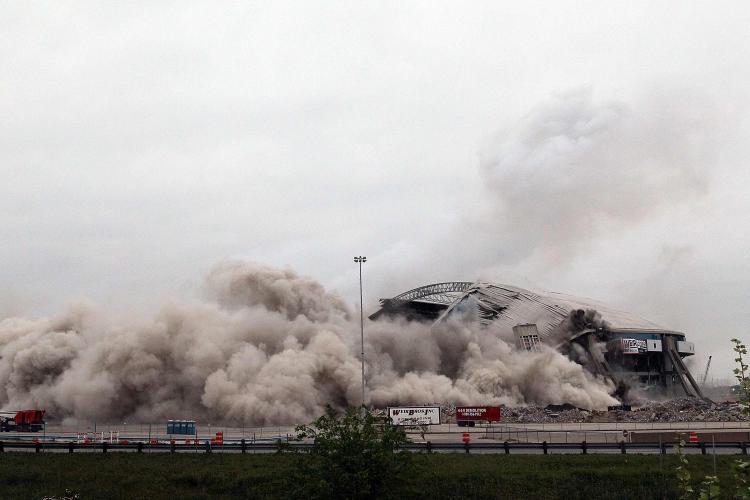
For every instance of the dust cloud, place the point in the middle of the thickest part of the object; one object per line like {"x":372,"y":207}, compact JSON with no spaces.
{"x":267,"y":347}
{"x":576,"y":170}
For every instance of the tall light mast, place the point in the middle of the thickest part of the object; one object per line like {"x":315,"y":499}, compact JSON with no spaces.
{"x":360,"y":260}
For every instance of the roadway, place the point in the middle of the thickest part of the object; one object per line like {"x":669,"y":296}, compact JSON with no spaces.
{"x":486,"y":439}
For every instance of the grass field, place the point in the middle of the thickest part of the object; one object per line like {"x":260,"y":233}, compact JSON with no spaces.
{"x":157,"y":476}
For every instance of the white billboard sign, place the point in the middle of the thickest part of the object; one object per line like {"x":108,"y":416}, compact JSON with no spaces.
{"x":633,"y":346}
{"x":414,"y":415}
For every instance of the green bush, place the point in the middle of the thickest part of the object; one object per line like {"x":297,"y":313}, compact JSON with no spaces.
{"x":352,"y":457}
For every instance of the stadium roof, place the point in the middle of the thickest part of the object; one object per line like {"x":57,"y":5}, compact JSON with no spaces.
{"x":504,"y":306}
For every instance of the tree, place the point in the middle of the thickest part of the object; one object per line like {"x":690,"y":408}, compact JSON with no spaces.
{"x":741,"y":468}
{"x":709,"y":487}
{"x":741,"y":374}
{"x":353,"y":456}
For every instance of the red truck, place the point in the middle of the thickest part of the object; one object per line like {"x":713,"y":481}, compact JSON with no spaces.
{"x":22,"y":421}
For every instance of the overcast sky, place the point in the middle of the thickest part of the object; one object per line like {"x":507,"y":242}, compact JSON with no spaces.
{"x":595,"y":148}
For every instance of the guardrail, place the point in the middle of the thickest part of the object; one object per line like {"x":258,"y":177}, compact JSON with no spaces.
{"x":140,"y":447}
{"x":425,"y":447}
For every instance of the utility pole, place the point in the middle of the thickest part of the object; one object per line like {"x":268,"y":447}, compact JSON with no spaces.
{"x":360,"y":260}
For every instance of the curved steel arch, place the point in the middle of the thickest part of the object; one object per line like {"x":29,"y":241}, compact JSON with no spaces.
{"x":437,"y":292}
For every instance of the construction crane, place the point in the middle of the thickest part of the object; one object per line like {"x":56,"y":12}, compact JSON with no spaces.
{"x":705,"y":374}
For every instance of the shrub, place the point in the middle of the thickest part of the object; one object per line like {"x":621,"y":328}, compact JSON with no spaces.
{"x":353,"y":456}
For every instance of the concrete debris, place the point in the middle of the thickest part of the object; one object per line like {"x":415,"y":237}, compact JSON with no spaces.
{"x":677,"y":410}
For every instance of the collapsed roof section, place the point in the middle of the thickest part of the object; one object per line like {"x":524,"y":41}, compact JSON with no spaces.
{"x":620,"y":346}
{"x":504,"y":306}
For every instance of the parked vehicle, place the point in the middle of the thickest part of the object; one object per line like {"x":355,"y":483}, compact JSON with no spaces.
{"x":22,"y":421}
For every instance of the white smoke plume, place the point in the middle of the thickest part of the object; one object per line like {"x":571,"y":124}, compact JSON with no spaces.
{"x":574,"y":169}
{"x":269,"y":347}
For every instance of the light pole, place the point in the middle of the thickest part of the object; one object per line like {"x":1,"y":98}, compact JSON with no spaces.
{"x":360,"y":260}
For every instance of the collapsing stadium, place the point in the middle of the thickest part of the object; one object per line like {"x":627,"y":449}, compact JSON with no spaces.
{"x":630,"y":351}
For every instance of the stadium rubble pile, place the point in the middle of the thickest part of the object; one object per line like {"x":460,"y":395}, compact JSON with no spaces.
{"x":677,"y":410}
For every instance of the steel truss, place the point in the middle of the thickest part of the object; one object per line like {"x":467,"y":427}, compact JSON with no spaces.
{"x":437,"y":293}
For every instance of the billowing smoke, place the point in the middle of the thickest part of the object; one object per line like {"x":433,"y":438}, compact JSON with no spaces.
{"x":577,"y":321}
{"x":269,"y":346}
{"x":571,"y":174}
{"x":574,"y":169}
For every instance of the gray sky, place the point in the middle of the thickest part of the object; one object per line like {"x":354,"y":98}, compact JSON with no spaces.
{"x":140,"y":143}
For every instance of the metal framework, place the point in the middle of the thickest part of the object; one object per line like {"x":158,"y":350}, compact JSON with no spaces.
{"x":505,"y":307}
{"x":437,"y":293}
